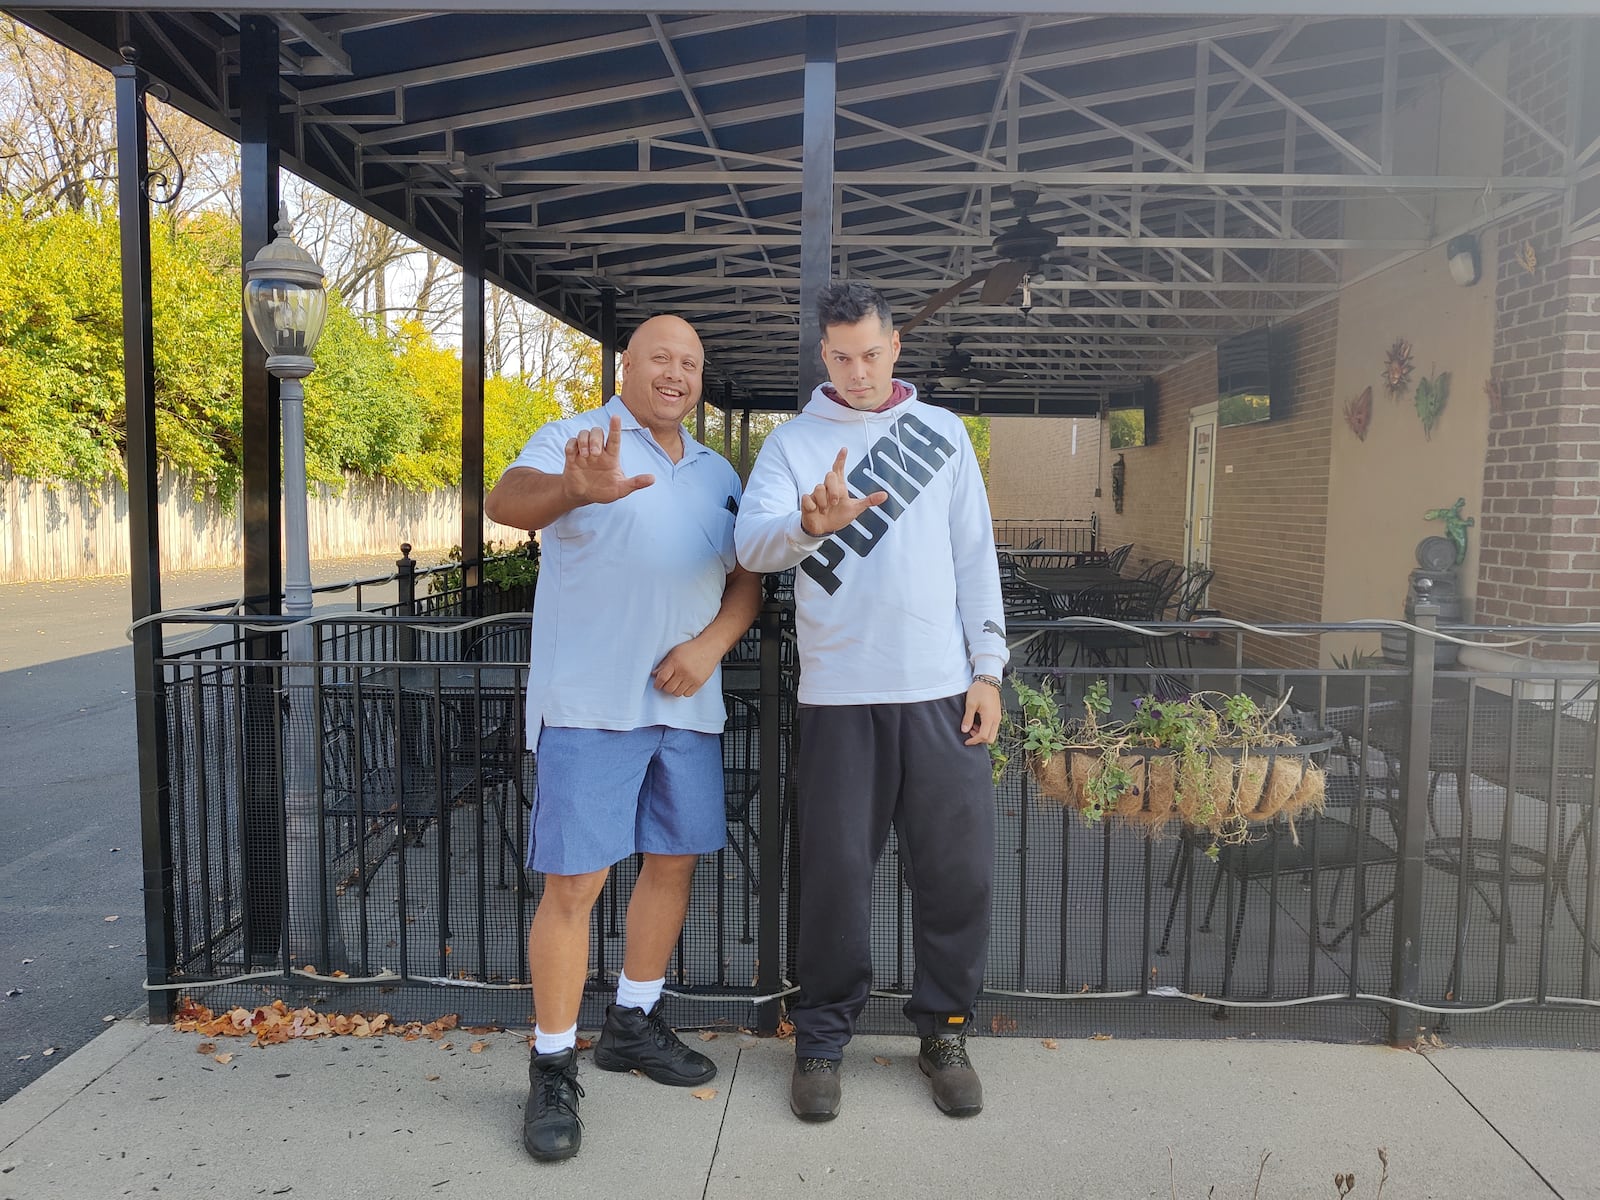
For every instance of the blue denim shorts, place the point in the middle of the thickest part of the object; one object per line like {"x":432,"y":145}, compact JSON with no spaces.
{"x":601,"y":795}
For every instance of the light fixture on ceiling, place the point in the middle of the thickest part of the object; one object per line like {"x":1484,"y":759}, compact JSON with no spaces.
{"x":1027,"y":296}
{"x":1466,"y":264}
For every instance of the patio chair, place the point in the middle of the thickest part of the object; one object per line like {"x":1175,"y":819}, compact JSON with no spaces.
{"x":1107,"y":646}
{"x":1189,"y":601}
{"x":1115,"y":559}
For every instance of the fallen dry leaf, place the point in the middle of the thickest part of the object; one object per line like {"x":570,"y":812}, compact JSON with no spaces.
{"x":206,"y":1048}
{"x":276,"y":1023}
{"x":110,"y":919}
{"x":785,"y":1029}
{"x":1099,"y":1037}
{"x":49,"y":1050}
{"x":1050,"y":1044}
{"x":880,"y":1060}
{"x":707,"y":1036}
{"x":1003,"y":1024}
{"x":432,"y":1078}
{"x":584,"y":1043}
{"x":704,"y":1093}
{"x":477,"y":1047}
{"x":224,"y":1059}
{"x":108,"y":1018}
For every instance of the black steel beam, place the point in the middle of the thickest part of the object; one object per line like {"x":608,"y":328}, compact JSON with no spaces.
{"x":816,"y":191}
{"x":139,"y":383}
{"x":608,"y":344}
{"x":472,"y":295}
{"x":261,"y":819}
{"x":262,"y":484}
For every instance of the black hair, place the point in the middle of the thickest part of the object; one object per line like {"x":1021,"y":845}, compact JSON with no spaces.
{"x":850,"y":304}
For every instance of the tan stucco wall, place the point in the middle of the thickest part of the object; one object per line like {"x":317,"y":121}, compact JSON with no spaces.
{"x":1379,"y":489}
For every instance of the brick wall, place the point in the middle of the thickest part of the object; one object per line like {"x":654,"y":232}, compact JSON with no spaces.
{"x":1037,"y":469}
{"x":1270,"y":515}
{"x":1540,"y":524}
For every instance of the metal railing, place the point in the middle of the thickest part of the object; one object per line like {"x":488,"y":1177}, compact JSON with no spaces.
{"x":1074,"y":534}
{"x":1450,"y":884}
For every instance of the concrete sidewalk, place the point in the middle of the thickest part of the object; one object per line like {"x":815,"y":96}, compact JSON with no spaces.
{"x":138,"y":1112}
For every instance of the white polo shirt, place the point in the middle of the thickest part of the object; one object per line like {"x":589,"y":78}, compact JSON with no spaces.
{"x":621,"y":584}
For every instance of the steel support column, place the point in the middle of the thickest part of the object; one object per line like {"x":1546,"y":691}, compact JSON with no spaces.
{"x":608,"y":344}
{"x":258,"y":193}
{"x":139,"y":382}
{"x":1406,"y":962}
{"x":261,"y":819}
{"x":472,"y":288}
{"x":816,"y":191}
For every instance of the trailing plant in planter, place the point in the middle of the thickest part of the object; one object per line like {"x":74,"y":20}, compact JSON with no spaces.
{"x":1213,"y":762}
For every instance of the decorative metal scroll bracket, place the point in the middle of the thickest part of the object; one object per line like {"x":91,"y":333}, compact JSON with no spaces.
{"x":159,"y":185}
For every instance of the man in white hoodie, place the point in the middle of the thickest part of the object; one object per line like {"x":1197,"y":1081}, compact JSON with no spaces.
{"x":877,"y":499}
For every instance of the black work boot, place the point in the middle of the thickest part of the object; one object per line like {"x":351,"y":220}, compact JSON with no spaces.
{"x":957,"y":1089}
{"x":814,"y":1089}
{"x":635,"y":1040}
{"x":551,"y":1129}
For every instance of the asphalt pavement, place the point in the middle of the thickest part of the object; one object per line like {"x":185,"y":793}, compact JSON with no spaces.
{"x":71,"y":913}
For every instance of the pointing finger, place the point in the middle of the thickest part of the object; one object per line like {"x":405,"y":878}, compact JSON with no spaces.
{"x":614,"y":439}
{"x":838,"y":463}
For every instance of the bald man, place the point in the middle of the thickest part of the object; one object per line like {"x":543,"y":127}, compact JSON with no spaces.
{"x":639,"y":598}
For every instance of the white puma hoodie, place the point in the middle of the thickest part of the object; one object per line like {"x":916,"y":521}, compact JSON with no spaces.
{"x":903,"y":604}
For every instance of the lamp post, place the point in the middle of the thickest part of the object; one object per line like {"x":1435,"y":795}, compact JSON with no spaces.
{"x":287,"y":304}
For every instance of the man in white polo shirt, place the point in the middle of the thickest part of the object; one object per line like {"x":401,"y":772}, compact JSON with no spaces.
{"x":639,"y":598}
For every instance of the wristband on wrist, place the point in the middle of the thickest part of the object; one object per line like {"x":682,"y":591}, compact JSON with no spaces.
{"x":989,"y":679}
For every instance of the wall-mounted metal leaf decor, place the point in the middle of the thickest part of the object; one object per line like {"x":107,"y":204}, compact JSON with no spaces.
{"x":1358,"y":413}
{"x":1430,"y":399}
{"x":1528,"y":258}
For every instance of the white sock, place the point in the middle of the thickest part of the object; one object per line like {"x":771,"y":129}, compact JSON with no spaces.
{"x":633,"y":994}
{"x":554,"y":1043}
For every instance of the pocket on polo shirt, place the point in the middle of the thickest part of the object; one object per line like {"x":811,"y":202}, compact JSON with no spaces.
{"x":579,"y":525}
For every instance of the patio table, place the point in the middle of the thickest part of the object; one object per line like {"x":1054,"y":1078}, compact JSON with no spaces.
{"x":428,"y":735}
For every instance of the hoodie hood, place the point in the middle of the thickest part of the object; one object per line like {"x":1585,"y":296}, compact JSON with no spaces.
{"x":825,"y":403}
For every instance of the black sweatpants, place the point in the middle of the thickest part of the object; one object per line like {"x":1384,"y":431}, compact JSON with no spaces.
{"x":859,"y":768}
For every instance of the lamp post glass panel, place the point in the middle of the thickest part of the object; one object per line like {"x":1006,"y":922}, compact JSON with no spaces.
{"x":287,"y":304}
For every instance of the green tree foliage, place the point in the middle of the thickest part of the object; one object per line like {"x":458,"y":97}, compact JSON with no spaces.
{"x":375,"y":405}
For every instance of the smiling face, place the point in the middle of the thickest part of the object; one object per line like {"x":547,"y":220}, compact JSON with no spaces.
{"x":661,"y":374}
{"x":860,"y":360}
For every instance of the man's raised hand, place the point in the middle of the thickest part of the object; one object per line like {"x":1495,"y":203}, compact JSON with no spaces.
{"x":829,"y":506}
{"x":593,"y":470}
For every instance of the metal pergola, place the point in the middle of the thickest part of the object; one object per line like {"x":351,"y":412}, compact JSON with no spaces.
{"x":634,"y":162}
{"x":723,"y":162}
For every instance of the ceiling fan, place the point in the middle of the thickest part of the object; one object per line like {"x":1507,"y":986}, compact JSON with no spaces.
{"x":1021,"y":249}
{"x":956,"y":369}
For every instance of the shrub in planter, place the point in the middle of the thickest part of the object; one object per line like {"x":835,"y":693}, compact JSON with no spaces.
{"x":1213,"y":762}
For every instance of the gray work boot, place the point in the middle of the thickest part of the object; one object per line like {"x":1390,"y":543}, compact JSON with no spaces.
{"x":957,"y":1090}
{"x":814,"y":1089}
{"x":551,"y":1129}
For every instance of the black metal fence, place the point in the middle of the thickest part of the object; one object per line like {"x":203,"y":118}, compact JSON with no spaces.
{"x":367,"y":814}
{"x":1076,"y":535}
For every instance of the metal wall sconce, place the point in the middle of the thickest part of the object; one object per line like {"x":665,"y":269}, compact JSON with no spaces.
{"x":1466,"y":264}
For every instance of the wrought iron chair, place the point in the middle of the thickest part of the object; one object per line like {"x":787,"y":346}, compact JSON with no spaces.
{"x":1117,"y":558}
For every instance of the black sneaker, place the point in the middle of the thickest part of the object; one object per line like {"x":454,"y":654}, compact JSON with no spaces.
{"x":551,"y":1129}
{"x":956,"y":1088}
{"x":814,"y":1089}
{"x":635,"y":1040}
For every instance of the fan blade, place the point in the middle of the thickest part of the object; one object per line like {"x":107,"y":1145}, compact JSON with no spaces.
{"x":1002,"y":281}
{"x":987,"y":375}
{"x":943,"y":298}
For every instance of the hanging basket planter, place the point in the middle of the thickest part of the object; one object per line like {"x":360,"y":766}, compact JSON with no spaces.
{"x":1228,"y":765}
{"x":1217,"y":791}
